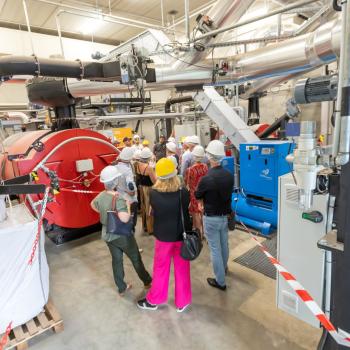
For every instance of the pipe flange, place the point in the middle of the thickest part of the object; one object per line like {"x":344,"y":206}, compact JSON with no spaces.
{"x":82,"y":72}
{"x":36,"y":61}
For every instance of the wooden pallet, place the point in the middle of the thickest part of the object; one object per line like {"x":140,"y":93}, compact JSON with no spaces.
{"x":48,"y":319}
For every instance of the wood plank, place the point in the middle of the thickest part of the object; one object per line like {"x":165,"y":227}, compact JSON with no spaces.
{"x":22,"y":346}
{"x":58,"y":328}
{"x":52,"y":311}
{"x":44,"y":322}
{"x":32,"y":328}
{"x":49,"y":319}
{"x":19,"y":334}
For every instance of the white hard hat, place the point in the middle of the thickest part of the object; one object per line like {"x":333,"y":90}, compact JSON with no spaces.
{"x":109,"y":173}
{"x":174,"y":160}
{"x":126,"y":154}
{"x":171,"y":139}
{"x":146,"y":153}
{"x":171,"y":146}
{"x":137,"y":154}
{"x":198,"y":151}
{"x":136,"y":137}
{"x":193,"y":139}
{"x":216,"y":148}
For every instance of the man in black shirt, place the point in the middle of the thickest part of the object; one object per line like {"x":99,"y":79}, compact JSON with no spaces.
{"x":215,"y":190}
{"x":159,"y":149}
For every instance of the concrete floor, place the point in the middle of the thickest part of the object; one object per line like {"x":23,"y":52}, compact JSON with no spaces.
{"x":95,"y":317}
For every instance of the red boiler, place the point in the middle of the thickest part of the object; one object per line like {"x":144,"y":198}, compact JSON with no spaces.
{"x":72,"y":160}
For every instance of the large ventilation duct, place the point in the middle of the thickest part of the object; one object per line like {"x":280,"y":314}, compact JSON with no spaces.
{"x":276,"y":61}
{"x":288,"y":57}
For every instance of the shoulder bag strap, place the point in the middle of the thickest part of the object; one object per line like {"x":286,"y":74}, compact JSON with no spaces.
{"x":182,"y":216}
{"x":114,"y":203}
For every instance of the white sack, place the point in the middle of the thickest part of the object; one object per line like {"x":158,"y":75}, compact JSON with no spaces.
{"x":24,"y":288}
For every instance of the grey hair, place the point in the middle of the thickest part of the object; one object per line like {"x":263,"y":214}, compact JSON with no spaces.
{"x":111,"y":185}
{"x":214,"y":158}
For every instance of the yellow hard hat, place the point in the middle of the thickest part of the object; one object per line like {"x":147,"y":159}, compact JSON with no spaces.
{"x":145,"y":142}
{"x":165,"y":169}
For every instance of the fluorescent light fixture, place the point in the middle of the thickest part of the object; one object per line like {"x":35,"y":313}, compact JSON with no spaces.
{"x":90,"y":25}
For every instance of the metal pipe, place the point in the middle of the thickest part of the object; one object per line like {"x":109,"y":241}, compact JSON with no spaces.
{"x":124,"y":20}
{"x":302,"y":29}
{"x":344,"y":141}
{"x":162,"y":11}
{"x":341,"y":63}
{"x":287,"y":57}
{"x":25,"y":9}
{"x":187,"y":20}
{"x":279,"y":24}
{"x":274,"y":126}
{"x":252,"y":20}
{"x":196,"y":12}
{"x":223,"y":12}
{"x":58,"y":25}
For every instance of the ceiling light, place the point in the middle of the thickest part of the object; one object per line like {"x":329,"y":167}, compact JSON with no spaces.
{"x":90,"y":25}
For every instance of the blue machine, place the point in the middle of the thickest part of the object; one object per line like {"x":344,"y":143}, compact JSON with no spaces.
{"x":261,"y":164}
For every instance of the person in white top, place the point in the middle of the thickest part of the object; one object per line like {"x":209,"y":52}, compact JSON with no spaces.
{"x":187,"y":157}
{"x":136,"y":143}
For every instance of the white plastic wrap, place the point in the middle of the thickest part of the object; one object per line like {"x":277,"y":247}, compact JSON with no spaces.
{"x":24,"y":288}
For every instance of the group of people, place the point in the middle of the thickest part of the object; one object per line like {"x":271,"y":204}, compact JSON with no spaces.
{"x":165,"y":182}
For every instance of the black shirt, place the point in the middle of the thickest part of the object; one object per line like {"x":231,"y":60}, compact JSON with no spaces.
{"x":167,"y":216}
{"x":215,"y":189}
{"x":159,"y":150}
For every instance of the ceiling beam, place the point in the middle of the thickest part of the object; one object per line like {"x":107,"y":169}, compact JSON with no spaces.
{"x":53,"y":32}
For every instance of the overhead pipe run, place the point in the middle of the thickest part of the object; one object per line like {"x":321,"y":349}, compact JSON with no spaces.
{"x":223,"y":12}
{"x":252,"y":20}
{"x":32,"y":65}
{"x":287,"y":57}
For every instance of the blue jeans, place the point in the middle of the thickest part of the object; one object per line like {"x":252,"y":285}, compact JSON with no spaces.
{"x":216,"y":232}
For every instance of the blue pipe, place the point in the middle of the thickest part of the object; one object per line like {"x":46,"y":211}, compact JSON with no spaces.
{"x":264,"y":227}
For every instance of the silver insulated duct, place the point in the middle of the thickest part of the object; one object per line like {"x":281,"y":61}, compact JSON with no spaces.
{"x":295,"y":55}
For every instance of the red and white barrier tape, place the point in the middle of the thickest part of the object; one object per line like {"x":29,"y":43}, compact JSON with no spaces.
{"x":40,"y":224}
{"x":79,"y":191}
{"x":303,"y":295}
{"x":3,"y":340}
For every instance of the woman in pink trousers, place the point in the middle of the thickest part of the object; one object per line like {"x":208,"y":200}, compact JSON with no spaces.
{"x":168,"y":230}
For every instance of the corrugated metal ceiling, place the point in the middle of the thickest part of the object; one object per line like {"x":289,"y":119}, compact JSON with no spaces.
{"x":43,"y":15}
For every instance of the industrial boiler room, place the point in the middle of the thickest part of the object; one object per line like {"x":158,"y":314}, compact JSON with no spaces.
{"x":174,"y":174}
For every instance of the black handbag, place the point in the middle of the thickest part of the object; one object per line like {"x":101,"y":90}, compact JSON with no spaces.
{"x":114,"y":225}
{"x":192,"y":244}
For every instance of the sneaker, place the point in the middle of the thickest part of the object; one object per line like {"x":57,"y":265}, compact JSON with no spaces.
{"x":140,"y":250}
{"x":213,"y":283}
{"x":145,"y":305}
{"x":182,"y":309}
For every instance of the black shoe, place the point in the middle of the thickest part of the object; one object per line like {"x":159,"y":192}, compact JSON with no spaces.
{"x":145,"y":305}
{"x":212,"y":282}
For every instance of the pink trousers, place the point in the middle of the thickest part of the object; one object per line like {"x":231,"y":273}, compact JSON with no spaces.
{"x":158,"y":294}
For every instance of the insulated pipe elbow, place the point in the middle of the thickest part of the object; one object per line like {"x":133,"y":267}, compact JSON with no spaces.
{"x":174,"y":100}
